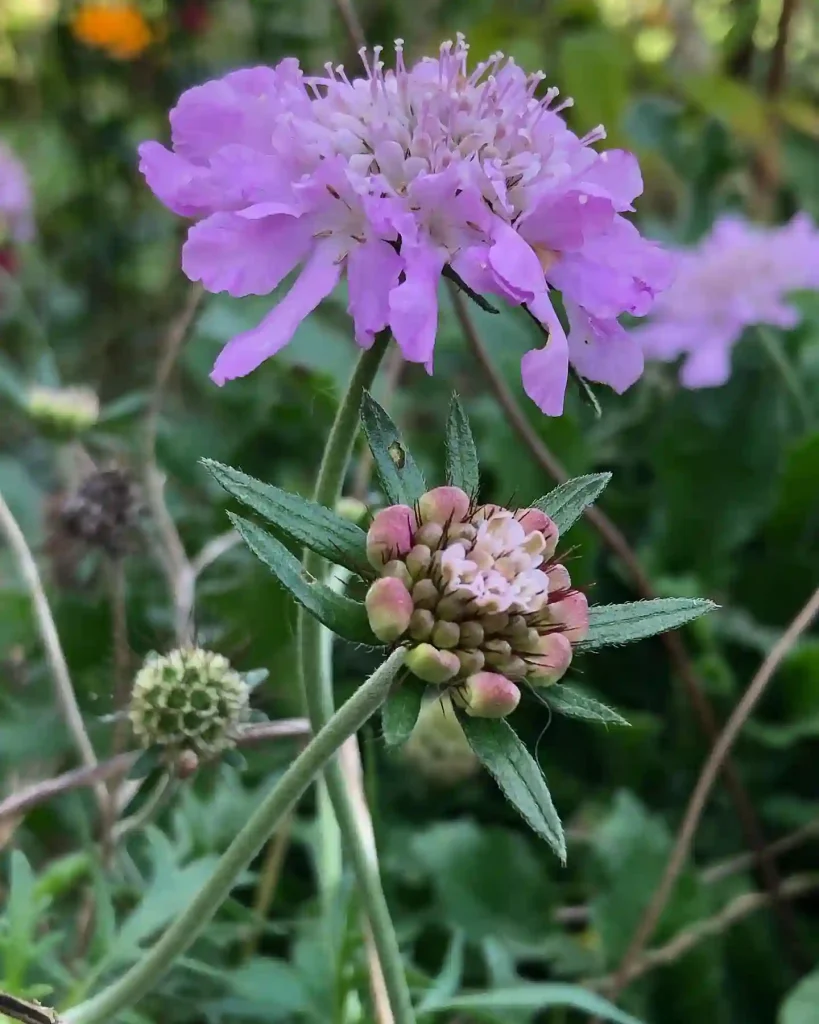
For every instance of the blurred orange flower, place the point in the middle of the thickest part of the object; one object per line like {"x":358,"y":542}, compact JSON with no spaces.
{"x":118,"y":28}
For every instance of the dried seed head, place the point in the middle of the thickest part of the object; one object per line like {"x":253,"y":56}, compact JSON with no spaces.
{"x":103,"y":512}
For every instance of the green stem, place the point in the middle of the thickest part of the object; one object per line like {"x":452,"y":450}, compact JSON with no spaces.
{"x":772,"y":345}
{"x":148,"y":971}
{"x":318,"y":693}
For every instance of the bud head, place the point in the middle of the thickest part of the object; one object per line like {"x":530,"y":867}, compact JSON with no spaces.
{"x":389,"y":608}
{"x":488,"y":695}
{"x":443,"y":505}
{"x":431,"y":665}
{"x":571,"y":613}
{"x":553,"y":657}
{"x":390,"y":534}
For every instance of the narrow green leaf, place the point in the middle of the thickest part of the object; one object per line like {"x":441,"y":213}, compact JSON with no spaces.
{"x":533,"y":997}
{"x":400,"y":711}
{"x":461,"y":455}
{"x":400,"y":477}
{"x":621,"y":623}
{"x":338,"y":613}
{"x":565,"y":504}
{"x":313,"y":525}
{"x":566,"y":700}
{"x":147,"y":761}
{"x":510,"y":764}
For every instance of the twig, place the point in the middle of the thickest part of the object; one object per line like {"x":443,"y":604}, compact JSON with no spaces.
{"x":269,"y":876}
{"x":27,"y":1012}
{"x":66,"y":698}
{"x":710,"y":770}
{"x":174,"y":559}
{"x":163,"y":792}
{"x":779,"y":55}
{"x":677,"y":653}
{"x":185,"y":583}
{"x":122,"y":650}
{"x":352,"y":23}
{"x":116,"y":767}
{"x":725,"y":868}
{"x":685,"y":940}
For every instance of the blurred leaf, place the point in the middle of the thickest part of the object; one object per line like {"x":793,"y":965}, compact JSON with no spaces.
{"x":801,"y":1005}
{"x":566,"y":700}
{"x":148,"y":761}
{"x":593,"y":68}
{"x":565,"y":504}
{"x":534,"y":997}
{"x":313,"y":525}
{"x":514,"y":769}
{"x":737,"y":105}
{"x":462,"y":468}
{"x":400,"y":711}
{"x":635,"y":620}
{"x":401,"y":479}
{"x":338,"y":613}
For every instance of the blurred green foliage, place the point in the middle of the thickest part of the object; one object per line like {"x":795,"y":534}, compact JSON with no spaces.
{"x":717,"y":490}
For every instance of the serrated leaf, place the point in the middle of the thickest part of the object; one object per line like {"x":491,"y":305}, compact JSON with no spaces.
{"x":566,"y":700}
{"x":565,"y":504}
{"x":461,"y":455}
{"x":532,"y":997}
{"x":400,"y":477}
{"x":636,"y":620}
{"x":339,"y":614}
{"x":147,"y":761}
{"x":313,"y":525}
{"x":400,"y":711}
{"x":502,"y":753}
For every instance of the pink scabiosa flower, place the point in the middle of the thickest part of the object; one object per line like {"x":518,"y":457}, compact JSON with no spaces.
{"x":737,"y":276}
{"x":16,"y":217}
{"x":395,"y":177}
{"x":476,"y":594}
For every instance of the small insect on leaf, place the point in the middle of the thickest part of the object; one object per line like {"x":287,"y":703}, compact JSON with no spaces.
{"x":397,"y":454}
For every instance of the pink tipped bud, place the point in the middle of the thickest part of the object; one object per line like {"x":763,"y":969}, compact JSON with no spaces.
{"x":389,"y":608}
{"x":572,"y":614}
{"x":444,"y":505}
{"x":559,"y":579}
{"x":553,"y":657}
{"x":390,"y":534}
{"x":432,"y":665}
{"x":535,"y":521}
{"x":488,"y":695}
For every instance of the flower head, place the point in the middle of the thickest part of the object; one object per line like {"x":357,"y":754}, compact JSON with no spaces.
{"x":115,"y":26}
{"x":394,"y":176}
{"x":476,"y":594}
{"x":190,"y":699}
{"x":63,"y":411}
{"x":738,"y":276}
{"x":16,"y":218}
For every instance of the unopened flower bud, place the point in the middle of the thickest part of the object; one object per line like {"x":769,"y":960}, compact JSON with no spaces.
{"x":64,"y":412}
{"x":389,"y":608}
{"x":553,"y":658}
{"x":425,"y":594}
{"x":559,"y":578}
{"x":418,"y":560}
{"x":462,"y":531}
{"x":399,"y":570}
{"x":452,"y":607}
{"x":495,"y":622}
{"x":443,"y":505}
{"x":572,"y":614}
{"x":471,"y":634}
{"x":533,"y":520}
{"x":497,"y":646}
{"x":390,"y":534}
{"x":431,"y":665}
{"x":446,"y":634}
{"x":430,"y":534}
{"x":421,"y":624}
{"x":471,"y":662}
{"x":186,"y":764}
{"x":488,"y":695}
{"x":351,"y":509}
{"x":513,"y":667}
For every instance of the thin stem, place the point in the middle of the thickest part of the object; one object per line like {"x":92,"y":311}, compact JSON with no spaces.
{"x":705,"y":783}
{"x":268,"y":882}
{"x":772,"y":346}
{"x":779,"y":56}
{"x":618,"y":544}
{"x":66,"y":698}
{"x":318,"y":693}
{"x":179,"y":937}
{"x":39,"y":792}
